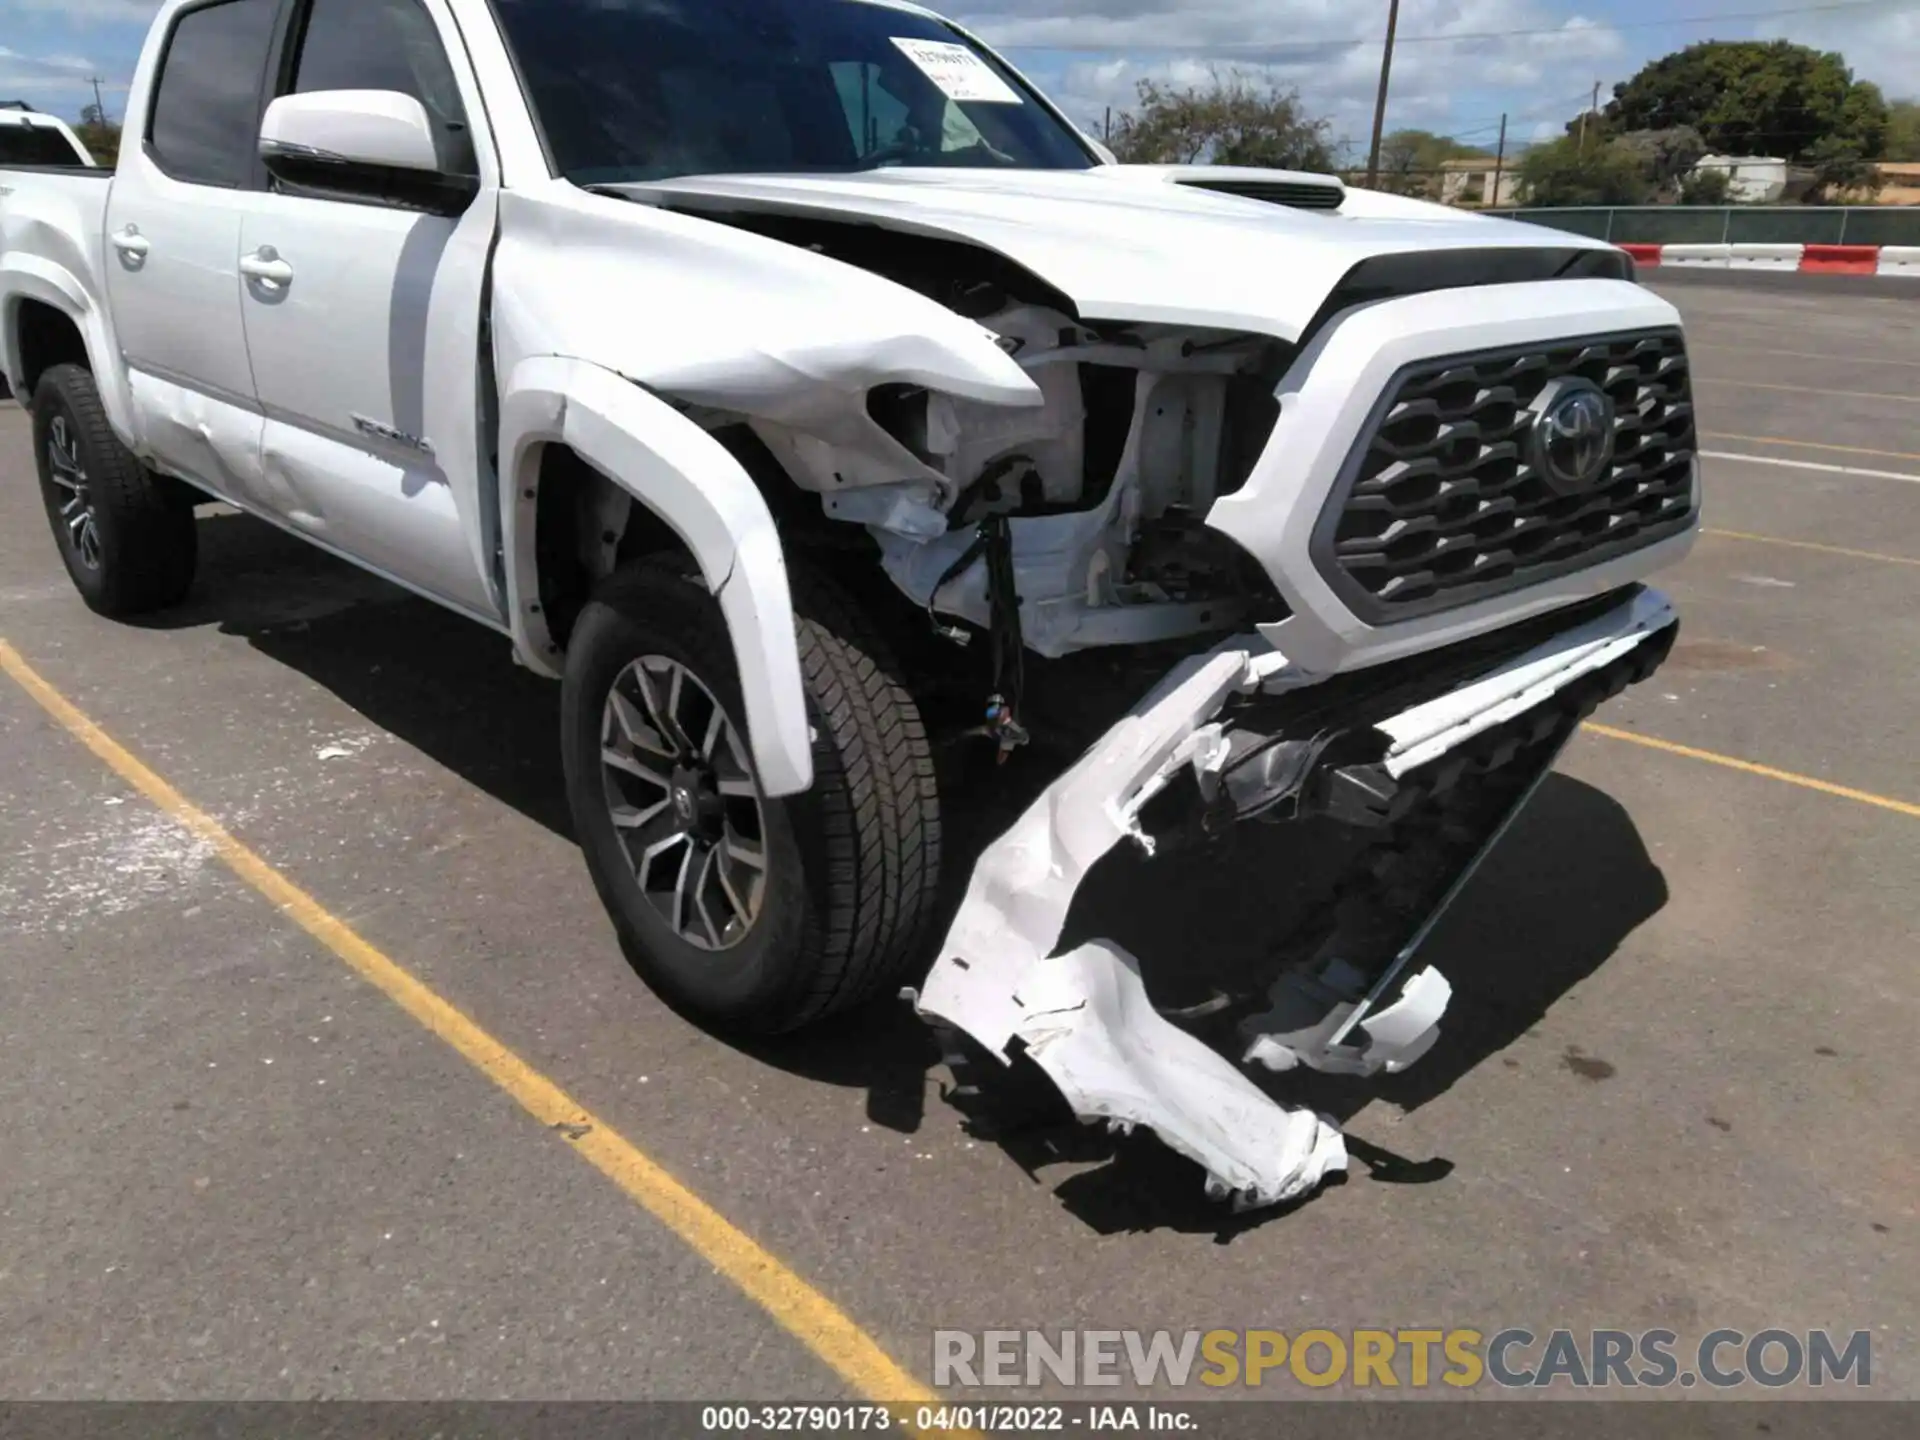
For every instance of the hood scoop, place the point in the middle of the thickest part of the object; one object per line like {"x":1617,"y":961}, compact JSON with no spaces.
{"x":1295,"y":189}
{"x":1295,"y":194}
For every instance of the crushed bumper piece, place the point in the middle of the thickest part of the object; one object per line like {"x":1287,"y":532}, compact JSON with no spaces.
{"x":1308,"y":1011}
{"x":1091,"y":1028}
{"x":1085,"y":1017}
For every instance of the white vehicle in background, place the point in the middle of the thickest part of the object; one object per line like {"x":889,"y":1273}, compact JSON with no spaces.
{"x":793,"y":383}
{"x":28,"y":137}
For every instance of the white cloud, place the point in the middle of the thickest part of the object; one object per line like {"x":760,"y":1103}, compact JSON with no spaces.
{"x":89,"y":12}
{"x":42,"y":71}
{"x":1881,"y":43}
{"x":1313,"y":49}
{"x":1537,"y":77}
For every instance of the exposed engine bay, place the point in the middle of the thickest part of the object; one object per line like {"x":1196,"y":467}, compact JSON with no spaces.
{"x":1090,"y":506}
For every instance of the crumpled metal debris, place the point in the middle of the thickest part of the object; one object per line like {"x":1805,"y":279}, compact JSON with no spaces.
{"x":1092,"y":1029}
{"x":1085,"y":1018}
{"x":1307,"y":1012}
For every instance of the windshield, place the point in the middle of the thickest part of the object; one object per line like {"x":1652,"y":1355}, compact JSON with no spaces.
{"x":647,"y":89}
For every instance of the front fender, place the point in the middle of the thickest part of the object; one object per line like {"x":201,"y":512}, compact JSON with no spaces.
{"x":691,"y":482}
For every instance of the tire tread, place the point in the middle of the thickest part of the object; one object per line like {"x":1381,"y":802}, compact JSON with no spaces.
{"x":154,"y":538}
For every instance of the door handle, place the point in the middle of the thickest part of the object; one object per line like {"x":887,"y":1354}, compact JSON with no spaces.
{"x":131,"y":243}
{"x":266,"y":266}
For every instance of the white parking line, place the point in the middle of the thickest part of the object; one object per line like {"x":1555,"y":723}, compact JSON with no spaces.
{"x":1810,"y":465}
{"x":1802,"y":389}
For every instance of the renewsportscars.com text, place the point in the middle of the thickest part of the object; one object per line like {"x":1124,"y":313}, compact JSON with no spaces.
{"x":1515,"y":1357}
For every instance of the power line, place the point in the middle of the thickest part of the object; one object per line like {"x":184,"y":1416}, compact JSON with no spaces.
{"x":1256,"y":49}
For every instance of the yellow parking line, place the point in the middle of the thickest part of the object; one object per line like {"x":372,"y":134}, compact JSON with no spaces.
{"x":1812,"y":545}
{"x":1815,"y":445}
{"x":806,"y":1314}
{"x":1786,"y":777}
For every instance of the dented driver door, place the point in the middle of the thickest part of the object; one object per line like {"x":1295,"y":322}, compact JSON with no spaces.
{"x":362,"y":317}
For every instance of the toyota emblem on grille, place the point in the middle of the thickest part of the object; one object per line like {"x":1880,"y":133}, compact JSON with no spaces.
{"x":1572,"y":435}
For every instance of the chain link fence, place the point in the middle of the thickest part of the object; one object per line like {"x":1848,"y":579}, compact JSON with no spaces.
{"x":1732,"y":224}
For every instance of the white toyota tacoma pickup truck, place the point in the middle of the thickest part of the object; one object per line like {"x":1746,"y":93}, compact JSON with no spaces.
{"x":791,"y":381}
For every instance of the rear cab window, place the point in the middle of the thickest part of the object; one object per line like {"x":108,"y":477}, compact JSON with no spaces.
{"x":27,"y":143}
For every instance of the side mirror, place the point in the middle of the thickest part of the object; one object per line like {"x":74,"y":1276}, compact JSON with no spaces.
{"x":361,"y":144}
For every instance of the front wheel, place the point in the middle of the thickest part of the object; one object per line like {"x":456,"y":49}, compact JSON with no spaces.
{"x":747,"y":913}
{"x":128,"y":541}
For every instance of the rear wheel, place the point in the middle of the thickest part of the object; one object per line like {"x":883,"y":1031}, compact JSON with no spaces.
{"x":746,"y":912}
{"x":127,"y":539}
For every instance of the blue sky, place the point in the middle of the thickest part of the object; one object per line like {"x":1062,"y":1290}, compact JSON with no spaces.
{"x":1535,"y":59}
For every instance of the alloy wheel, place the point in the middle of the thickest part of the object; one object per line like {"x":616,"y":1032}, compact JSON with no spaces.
{"x":76,"y":508}
{"x":682,"y":797}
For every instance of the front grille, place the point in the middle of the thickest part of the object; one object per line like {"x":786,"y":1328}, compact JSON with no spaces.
{"x":1440,"y":504}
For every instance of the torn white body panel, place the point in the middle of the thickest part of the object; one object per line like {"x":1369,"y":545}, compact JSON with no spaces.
{"x":1395,"y":1037}
{"x":1023,"y":886}
{"x":997,"y":979}
{"x":1428,"y":731}
{"x":1092,"y":1029}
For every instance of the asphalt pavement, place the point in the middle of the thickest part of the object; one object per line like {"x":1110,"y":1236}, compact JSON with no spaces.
{"x":1676,"y":1089}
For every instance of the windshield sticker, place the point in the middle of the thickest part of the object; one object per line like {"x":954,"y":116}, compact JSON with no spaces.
{"x":960,"y":74}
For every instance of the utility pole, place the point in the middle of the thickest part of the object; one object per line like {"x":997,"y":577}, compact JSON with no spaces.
{"x":1594,"y":110}
{"x":1380,"y":103}
{"x":1106,"y":128}
{"x":99,"y":105}
{"x":1499,"y":162}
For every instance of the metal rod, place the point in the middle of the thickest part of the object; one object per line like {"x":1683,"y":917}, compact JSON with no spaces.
{"x":1454,"y":890}
{"x":1590,"y":110}
{"x":1380,"y":101}
{"x":1499,"y":163}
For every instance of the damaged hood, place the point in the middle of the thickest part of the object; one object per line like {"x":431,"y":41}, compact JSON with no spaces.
{"x":1119,"y":244}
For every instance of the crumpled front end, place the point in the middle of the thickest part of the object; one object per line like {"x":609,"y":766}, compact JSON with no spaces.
{"x":1436,"y":757}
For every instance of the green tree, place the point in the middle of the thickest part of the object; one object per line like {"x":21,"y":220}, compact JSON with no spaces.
{"x":1707,"y":187}
{"x":1410,"y":160}
{"x":1666,"y":157}
{"x":1602,"y":172}
{"x":1903,"y":130}
{"x":1230,"y":120}
{"x":1841,"y":171}
{"x":100,"y":135}
{"x":1753,"y":97}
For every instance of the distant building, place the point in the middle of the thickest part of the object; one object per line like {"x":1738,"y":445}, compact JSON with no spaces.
{"x":1899,"y":182}
{"x":1472,"y":182}
{"x":1758,"y":179}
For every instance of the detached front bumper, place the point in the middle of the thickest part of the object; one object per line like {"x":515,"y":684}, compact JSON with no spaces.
{"x":1253,"y":736}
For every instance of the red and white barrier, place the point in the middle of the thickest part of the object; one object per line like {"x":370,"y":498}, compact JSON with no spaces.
{"x":1807,"y":259}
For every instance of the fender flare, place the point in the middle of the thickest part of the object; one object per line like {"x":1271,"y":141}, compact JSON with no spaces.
{"x":25,"y":276}
{"x":696,"y":487}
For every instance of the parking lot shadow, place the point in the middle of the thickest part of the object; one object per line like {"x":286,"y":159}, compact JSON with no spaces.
{"x":1555,"y":900}
{"x":1566,"y":886}
{"x":438,"y":682}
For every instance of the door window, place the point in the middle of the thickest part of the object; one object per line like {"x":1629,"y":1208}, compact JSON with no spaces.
{"x":387,"y":45}
{"x":206,"y":100}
